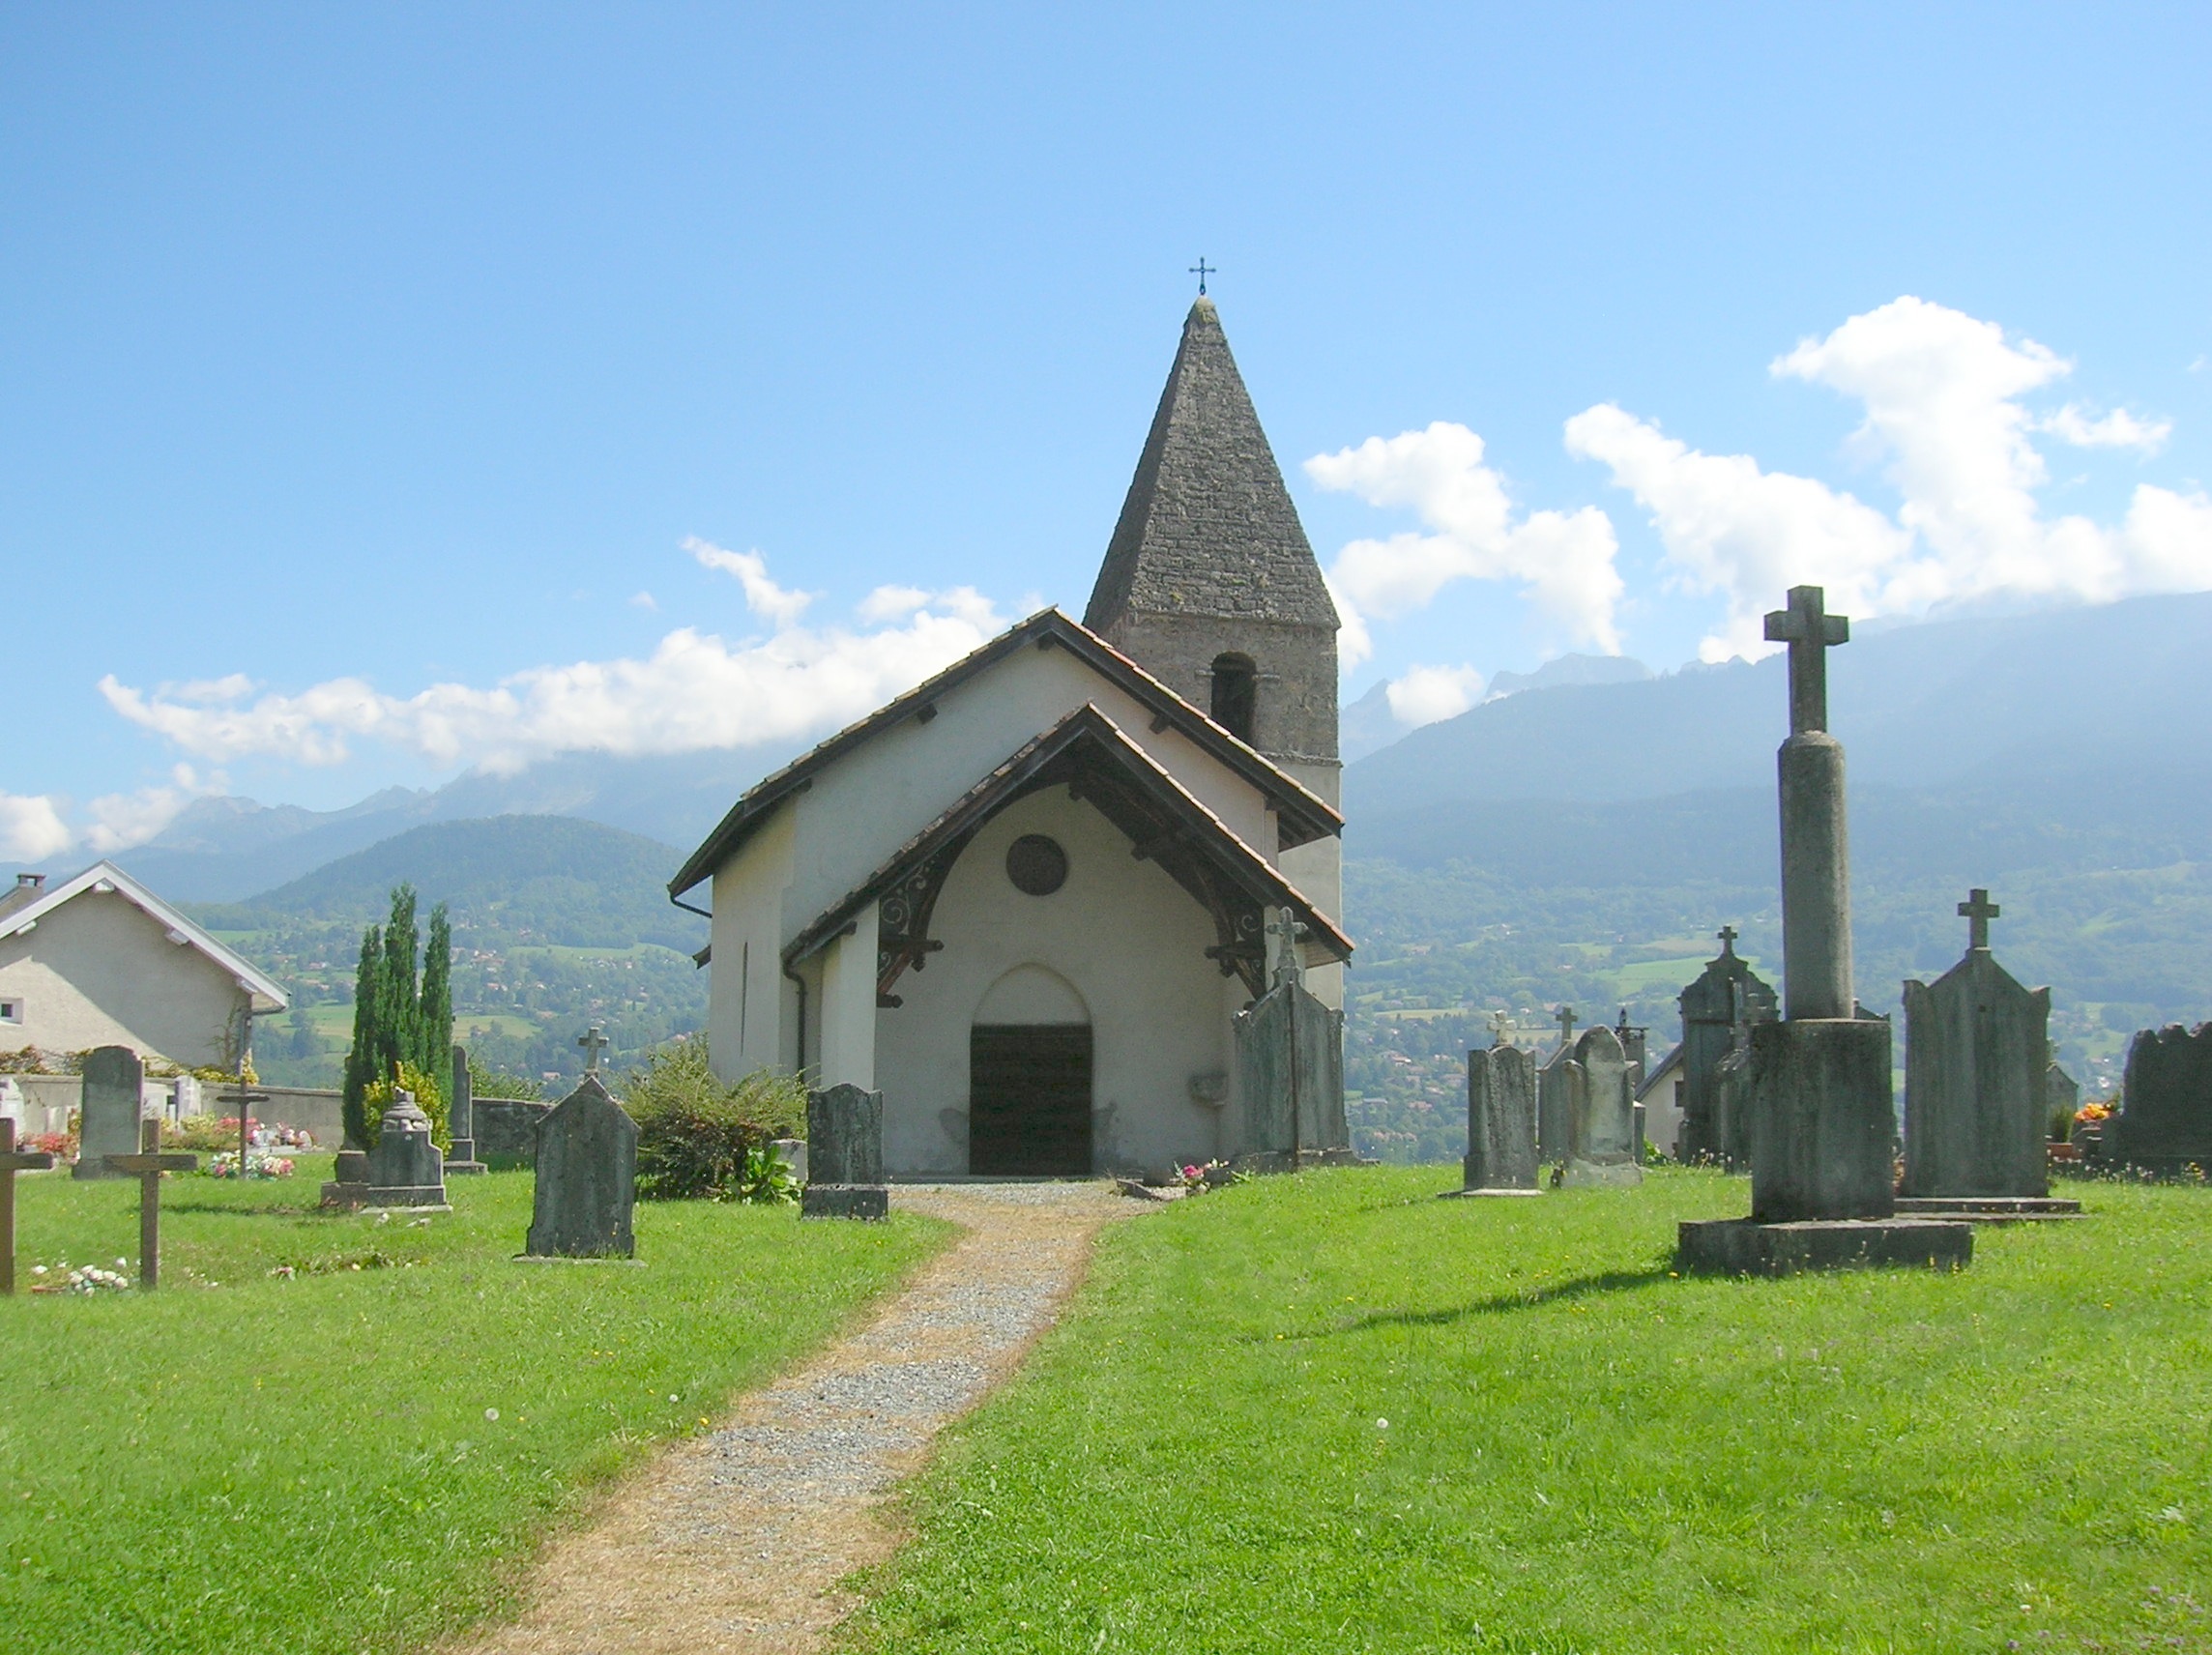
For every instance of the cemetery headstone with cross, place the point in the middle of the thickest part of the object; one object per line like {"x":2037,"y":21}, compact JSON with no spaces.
{"x":147,"y":1166}
{"x":1717,"y":1009}
{"x":12,"y":1161}
{"x":1601,"y":1128}
{"x":1501,"y":1123}
{"x":586,"y":1188}
{"x":1554,"y":1106}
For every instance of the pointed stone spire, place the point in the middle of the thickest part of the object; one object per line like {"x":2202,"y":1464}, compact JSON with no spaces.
{"x":1207,"y":526}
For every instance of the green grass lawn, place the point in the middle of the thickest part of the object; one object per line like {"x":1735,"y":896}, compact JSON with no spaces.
{"x":360,"y":1458}
{"x":1582,"y":1452}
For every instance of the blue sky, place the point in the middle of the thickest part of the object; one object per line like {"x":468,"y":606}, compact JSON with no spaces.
{"x":387,"y":389}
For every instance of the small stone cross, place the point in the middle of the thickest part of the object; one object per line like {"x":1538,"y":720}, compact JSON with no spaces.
{"x":1501,"y":1026}
{"x":147,"y":1167}
{"x":1809,"y":629}
{"x":1202,"y":269}
{"x":592,"y":1042}
{"x":1978,"y":910}
{"x":1290,"y":965}
{"x":12,"y":1162}
{"x":1566,"y":1016}
{"x":1728,"y":934}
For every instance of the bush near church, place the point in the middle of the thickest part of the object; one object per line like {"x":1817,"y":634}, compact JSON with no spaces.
{"x":695,"y":1135}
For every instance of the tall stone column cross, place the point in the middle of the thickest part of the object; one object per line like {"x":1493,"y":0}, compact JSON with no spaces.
{"x":12,"y":1162}
{"x":1809,"y":629}
{"x":592,"y":1042}
{"x":1978,"y":910}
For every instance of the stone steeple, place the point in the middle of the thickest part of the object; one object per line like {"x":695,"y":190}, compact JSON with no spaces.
{"x":1209,"y":583}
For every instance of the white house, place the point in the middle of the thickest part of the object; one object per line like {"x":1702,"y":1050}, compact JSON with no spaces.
{"x":99,"y":960}
{"x":1026,"y":900}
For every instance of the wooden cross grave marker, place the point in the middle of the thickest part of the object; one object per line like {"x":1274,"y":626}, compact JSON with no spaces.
{"x":12,"y":1162}
{"x":1978,"y":911}
{"x":147,"y":1167}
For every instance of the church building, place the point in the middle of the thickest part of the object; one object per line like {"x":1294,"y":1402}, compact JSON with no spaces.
{"x":1032,"y":901}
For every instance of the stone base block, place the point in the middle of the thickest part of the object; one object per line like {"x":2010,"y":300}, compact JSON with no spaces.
{"x":345,"y":1195}
{"x":1988,"y":1209}
{"x":1601,"y":1174}
{"x":1746,"y":1247}
{"x":465,"y":1168}
{"x":1469,"y":1194}
{"x":845,"y":1200}
{"x":406,"y":1195}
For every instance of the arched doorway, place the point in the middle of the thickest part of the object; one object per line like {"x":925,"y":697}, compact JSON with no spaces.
{"x":1029,"y":1078}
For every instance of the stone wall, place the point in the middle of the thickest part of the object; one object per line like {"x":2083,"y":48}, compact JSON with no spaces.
{"x":507,"y":1130}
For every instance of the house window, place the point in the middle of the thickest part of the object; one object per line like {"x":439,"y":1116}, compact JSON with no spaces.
{"x":1236,"y":686}
{"x":11,"y":1011}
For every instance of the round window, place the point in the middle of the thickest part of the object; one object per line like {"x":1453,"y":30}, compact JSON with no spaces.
{"x":1037,"y":864}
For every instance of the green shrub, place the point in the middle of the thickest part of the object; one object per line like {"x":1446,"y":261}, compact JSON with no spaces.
{"x":498,"y":1083}
{"x":694,"y":1134}
{"x":429,"y":1098}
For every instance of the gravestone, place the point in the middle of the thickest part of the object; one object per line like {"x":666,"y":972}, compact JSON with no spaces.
{"x":1717,"y":1008}
{"x":1290,"y":1066}
{"x":1554,"y":1108}
{"x":12,"y":1161}
{"x":845,"y":1155}
{"x":1501,"y":1123}
{"x":461,"y":1120}
{"x":1822,"y":1115}
{"x":148,"y":1165}
{"x":2061,"y":1097}
{"x":587,"y":1178}
{"x":1601,"y":1128}
{"x":115,"y":1084}
{"x":405,"y":1168}
{"x":1977,"y":1053}
{"x":2164,"y":1123}
{"x":792,"y":1152}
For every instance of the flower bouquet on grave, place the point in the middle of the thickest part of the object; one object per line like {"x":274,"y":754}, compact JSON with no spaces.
{"x":1214,"y":1175}
{"x":258,"y":1165}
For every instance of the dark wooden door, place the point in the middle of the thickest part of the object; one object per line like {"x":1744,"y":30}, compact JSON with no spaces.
{"x":1028,"y":1099}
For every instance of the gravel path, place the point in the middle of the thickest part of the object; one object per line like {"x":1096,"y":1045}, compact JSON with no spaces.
{"x":734,"y":1541}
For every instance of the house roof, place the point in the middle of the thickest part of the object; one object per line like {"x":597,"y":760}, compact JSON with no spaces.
{"x":1162,"y":819}
{"x":1667,"y":1067}
{"x":1301,"y":815}
{"x":104,"y":876}
{"x":1207,"y":526}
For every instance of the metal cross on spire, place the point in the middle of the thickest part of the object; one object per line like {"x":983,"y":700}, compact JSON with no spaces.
{"x":1202,"y":269}
{"x":1809,"y":629}
{"x":1978,"y":911}
{"x":592,"y":1042}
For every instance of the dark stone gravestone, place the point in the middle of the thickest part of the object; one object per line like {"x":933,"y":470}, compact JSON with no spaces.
{"x":1290,"y":1068}
{"x":2061,"y":1096}
{"x":845,"y":1155}
{"x":2164,"y":1123}
{"x":1601,"y":1127}
{"x":109,"y":1117}
{"x":405,"y":1168}
{"x":587,"y":1178}
{"x":1717,"y":1011}
{"x":461,"y":1120}
{"x":1822,"y":1113}
{"x":1976,"y":1053}
{"x":507,"y":1129}
{"x":1501,"y":1123}
{"x":1554,"y":1110}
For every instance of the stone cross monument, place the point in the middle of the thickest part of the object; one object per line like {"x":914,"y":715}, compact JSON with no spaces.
{"x":1816,"y":851}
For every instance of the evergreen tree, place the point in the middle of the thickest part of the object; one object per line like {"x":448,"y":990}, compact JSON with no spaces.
{"x":398,"y":1014}
{"x":361,"y":1063}
{"x":434,"y":1019}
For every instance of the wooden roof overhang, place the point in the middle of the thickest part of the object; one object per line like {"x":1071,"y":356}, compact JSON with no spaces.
{"x":1301,"y":815}
{"x":1088,"y":754}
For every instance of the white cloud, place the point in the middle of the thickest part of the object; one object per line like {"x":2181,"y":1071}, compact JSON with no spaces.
{"x":644,"y":600}
{"x":695,"y":691}
{"x":762,"y":596}
{"x":1564,"y":560}
{"x":1945,"y":419}
{"x":1426,"y":694}
{"x":2118,"y":430}
{"x":1353,"y":642}
{"x":891,"y":602}
{"x":32,"y":828}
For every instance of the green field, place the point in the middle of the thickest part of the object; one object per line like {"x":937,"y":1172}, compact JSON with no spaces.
{"x":360,"y":1458}
{"x":1333,"y":1413}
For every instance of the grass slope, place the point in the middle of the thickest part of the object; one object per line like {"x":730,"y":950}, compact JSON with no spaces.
{"x":310,"y":1464}
{"x":1583,"y":1453}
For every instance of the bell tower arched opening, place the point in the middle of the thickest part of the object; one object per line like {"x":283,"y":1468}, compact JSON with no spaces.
{"x":1236,"y":695}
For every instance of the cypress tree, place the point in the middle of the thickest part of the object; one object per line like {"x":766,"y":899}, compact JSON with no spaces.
{"x":361,"y":1059}
{"x":397,"y":1013}
{"x":434,"y":1018}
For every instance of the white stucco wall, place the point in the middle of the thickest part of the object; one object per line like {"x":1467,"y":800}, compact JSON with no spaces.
{"x":98,"y":971}
{"x":1316,"y":869}
{"x":1125,"y":938}
{"x":749,"y":1001}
